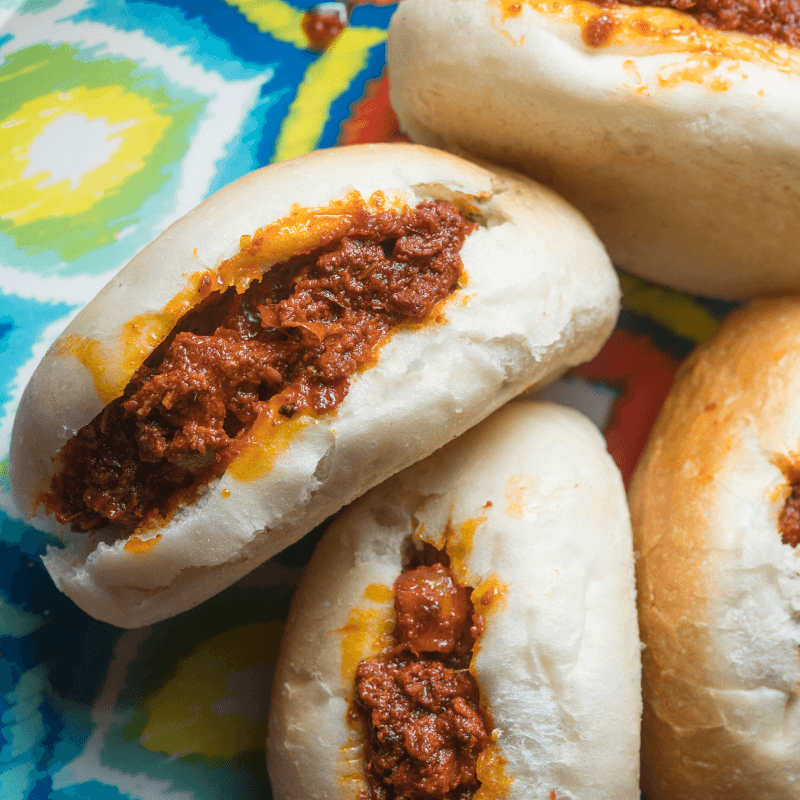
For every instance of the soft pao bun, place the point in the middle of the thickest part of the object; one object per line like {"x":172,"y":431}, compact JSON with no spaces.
{"x":679,"y":142}
{"x":531,"y":511}
{"x":719,"y":588}
{"x":536,"y":296}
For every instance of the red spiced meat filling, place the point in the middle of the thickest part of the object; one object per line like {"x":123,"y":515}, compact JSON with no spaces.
{"x":420,"y":706}
{"x":778,"y":20}
{"x":789,"y":522}
{"x":291,"y":340}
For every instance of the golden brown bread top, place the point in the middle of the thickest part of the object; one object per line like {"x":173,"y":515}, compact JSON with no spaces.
{"x":717,"y":587}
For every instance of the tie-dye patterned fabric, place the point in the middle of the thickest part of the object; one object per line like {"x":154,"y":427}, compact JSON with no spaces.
{"x":115,"y":119}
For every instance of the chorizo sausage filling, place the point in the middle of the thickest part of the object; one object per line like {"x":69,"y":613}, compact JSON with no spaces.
{"x":419,"y":705}
{"x":778,"y":20}
{"x":789,"y":522}
{"x":290,"y":341}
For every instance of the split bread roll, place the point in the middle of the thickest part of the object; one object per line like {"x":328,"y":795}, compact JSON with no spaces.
{"x":719,"y":589}
{"x":679,"y":142}
{"x":536,"y":296}
{"x":531,"y":511}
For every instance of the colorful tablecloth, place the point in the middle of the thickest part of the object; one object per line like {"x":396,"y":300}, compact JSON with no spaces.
{"x":115,"y":119}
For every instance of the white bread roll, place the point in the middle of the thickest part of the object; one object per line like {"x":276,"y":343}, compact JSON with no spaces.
{"x":719,"y":591}
{"x":529,"y":500}
{"x":539,"y":295}
{"x":679,"y":142}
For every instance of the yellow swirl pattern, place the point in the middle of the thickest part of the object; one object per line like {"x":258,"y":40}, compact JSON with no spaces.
{"x":326,"y":79}
{"x":275,"y":17}
{"x":129,"y":128}
{"x":195,"y":711}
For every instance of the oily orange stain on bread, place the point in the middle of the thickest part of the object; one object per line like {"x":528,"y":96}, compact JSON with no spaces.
{"x":301,"y":231}
{"x":520,"y":495}
{"x":305,"y":229}
{"x":378,"y":593}
{"x":367,"y":633}
{"x":368,"y":630}
{"x":271,"y":434}
{"x":664,"y":29}
{"x":111,"y":371}
{"x":138,"y":545}
{"x":487,"y":598}
{"x":491,"y":771}
{"x":458,"y":546}
{"x":701,"y":69}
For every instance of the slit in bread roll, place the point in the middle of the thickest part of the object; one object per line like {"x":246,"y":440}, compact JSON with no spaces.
{"x":718,"y":577}
{"x":530,"y":511}
{"x":678,"y":141}
{"x":536,"y":296}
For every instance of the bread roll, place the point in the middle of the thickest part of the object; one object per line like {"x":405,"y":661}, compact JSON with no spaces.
{"x":679,"y":142}
{"x":531,"y":511}
{"x":719,"y":590}
{"x":537,"y":295}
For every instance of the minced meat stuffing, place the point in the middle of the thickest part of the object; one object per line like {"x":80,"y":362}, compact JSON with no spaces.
{"x":293,"y":338}
{"x":419,"y":705}
{"x":790,"y":519}
{"x":778,"y":20}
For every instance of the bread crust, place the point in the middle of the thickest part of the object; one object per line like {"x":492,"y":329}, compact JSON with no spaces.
{"x":531,"y":501}
{"x":552,"y":305}
{"x":677,"y":141}
{"x":719,"y":592}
